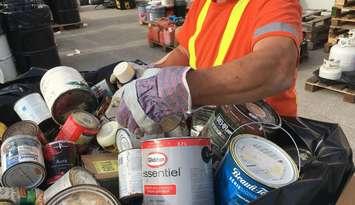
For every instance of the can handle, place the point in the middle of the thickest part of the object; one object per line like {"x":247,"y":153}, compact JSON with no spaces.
{"x":269,"y":124}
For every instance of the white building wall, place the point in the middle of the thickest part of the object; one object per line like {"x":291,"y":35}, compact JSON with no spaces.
{"x":317,"y":4}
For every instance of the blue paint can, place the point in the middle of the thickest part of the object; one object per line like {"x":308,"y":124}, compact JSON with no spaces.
{"x":252,"y":167}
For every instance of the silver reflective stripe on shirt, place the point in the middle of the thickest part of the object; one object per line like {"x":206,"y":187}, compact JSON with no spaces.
{"x":276,"y":27}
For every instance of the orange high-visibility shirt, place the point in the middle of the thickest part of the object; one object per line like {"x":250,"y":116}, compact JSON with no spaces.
{"x":261,"y":19}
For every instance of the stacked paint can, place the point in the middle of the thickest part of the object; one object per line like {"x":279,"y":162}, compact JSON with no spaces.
{"x":30,"y":35}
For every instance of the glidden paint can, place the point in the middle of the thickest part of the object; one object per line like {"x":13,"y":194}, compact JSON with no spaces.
{"x":130,"y":174}
{"x":22,"y":162}
{"x":21,"y":196}
{"x":80,"y":127}
{"x":228,"y":118}
{"x":64,"y":91}
{"x":177,"y":171}
{"x":252,"y":167}
{"x":25,"y":128}
{"x":60,"y":157}
{"x":75,"y":176}
{"x":125,"y":140}
{"x":32,"y":107}
{"x":83,"y":195}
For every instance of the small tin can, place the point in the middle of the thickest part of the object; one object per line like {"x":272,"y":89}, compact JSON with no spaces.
{"x":65,"y":90}
{"x":102,"y":89}
{"x":75,"y":176}
{"x":80,"y":127}
{"x":177,"y":171}
{"x":25,"y":128}
{"x":84,"y":194}
{"x":252,"y":167}
{"x":130,"y":174}
{"x":106,"y":137}
{"x":125,"y":140}
{"x":22,"y":162}
{"x":32,"y":107}
{"x":60,"y":157}
{"x":21,"y":196}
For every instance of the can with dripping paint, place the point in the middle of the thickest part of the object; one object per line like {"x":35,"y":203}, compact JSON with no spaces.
{"x":25,"y":128}
{"x":60,"y":157}
{"x":75,"y":176}
{"x":252,"y":167}
{"x":80,"y":127}
{"x":130,"y":175}
{"x":229,"y":118}
{"x":21,"y":196}
{"x":84,"y":194}
{"x":125,"y":140}
{"x":177,"y":171}
{"x":65,"y":90}
{"x":22,"y":162}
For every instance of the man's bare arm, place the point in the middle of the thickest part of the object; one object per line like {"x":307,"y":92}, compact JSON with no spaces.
{"x":267,"y":71}
{"x":177,"y":57}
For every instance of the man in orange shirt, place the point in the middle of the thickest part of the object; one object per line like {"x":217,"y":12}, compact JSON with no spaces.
{"x":230,"y":52}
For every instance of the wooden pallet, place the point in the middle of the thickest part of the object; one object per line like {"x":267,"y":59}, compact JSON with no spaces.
{"x":344,"y":3}
{"x":313,"y":84}
{"x":62,"y":27}
{"x":164,"y":47}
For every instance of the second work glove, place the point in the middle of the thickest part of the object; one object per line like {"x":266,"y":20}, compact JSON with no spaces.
{"x":147,"y":102}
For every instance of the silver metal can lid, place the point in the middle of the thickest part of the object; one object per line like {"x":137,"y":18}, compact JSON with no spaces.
{"x":86,"y":120}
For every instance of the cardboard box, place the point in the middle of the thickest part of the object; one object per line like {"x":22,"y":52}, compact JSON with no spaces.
{"x":347,"y":197}
{"x":105,"y":169}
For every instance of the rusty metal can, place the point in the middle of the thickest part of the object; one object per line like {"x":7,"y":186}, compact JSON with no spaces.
{"x":75,"y":176}
{"x":65,"y":90}
{"x":177,"y":171}
{"x":25,"y":128}
{"x":80,"y":127}
{"x":130,"y":174}
{"x":20,"y":196}
{"x":22,"y":162}
{"x":60,"y":157}
{"x":82,"y":195}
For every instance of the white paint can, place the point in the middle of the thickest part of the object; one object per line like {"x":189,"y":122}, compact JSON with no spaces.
{"x":106,"y":137}
{"x":73,"y":177}
{"x":65,"y":90}
{"x":130,"y":174}
{"x":7,"y":65}
{"x":22,"y":162}
{"x":32,"y":107}
{"x":85,"y":194}
{"x":177,"y":171}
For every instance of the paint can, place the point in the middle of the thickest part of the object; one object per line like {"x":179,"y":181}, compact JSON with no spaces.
{"x":60,"y":157}
{"x":130,"y":175}
{"x":177,"y":171}
{"x":229,"y":118}
{"x":252,"y":167}
{"x":83,"y":195}
{"x":174,"y":126}
{"x":3,"y":128}
{"x":65,"y":91}
{"x":125,"y":140}
{"x":80,"y":127}
{"x":22,"y":162}
{"x":106,"y":137}
{"x":32,"y":107}
{"x":75,"y":176}
{"x":25,"y":128}
{"x":102,"y":89}
{"x":21,"y":196}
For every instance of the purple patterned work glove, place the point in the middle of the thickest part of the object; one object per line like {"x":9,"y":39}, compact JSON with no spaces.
{"x":156,"y":96}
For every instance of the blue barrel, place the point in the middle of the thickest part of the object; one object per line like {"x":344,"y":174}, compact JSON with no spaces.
{"x":252,"y":167}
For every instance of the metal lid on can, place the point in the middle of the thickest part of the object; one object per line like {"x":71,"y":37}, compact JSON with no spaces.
{"x":25,"y":127}
{"x":79,"y":175}
{"x":260,"y":112}
{"x":107,"y":135}
{"x":124,"y":140}
{"x":84,"y":195}
{"x":86,"y":120}
{"x":124,"y":72}
{"x":263,"y":160}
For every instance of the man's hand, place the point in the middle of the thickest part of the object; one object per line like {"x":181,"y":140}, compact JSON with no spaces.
{"x":147,"y":101}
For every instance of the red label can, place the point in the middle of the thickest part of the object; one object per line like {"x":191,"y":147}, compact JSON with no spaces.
{"x":60,"y":157}
{"x":80,"y":127}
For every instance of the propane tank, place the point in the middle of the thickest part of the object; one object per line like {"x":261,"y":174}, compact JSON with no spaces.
{"x":344,"y":51}
{"x":330,"y":70}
